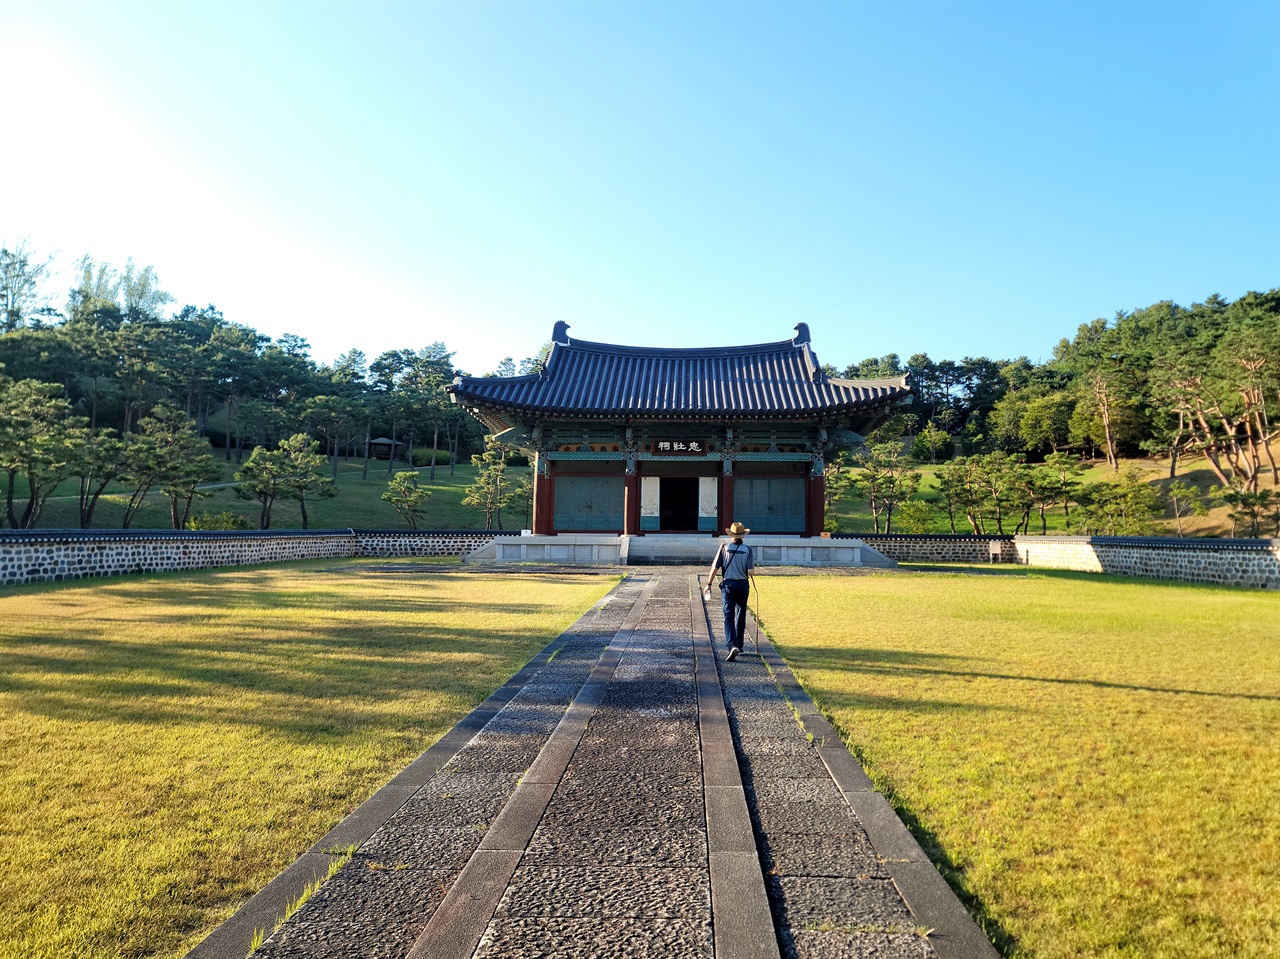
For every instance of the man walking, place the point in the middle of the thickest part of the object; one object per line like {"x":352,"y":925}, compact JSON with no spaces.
{"x":735,"y":563}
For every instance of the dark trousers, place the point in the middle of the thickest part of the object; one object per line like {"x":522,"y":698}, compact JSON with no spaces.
{"x":734,"y":593}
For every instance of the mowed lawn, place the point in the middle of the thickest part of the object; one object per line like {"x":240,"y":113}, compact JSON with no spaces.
{"x":1094,"y":762}
{"x":169,"y":743}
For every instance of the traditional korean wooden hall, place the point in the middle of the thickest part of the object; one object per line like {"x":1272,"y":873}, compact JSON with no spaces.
{"x":633,"y":440}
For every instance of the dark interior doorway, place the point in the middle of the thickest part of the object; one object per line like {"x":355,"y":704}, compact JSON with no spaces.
{"x":678,"y":503}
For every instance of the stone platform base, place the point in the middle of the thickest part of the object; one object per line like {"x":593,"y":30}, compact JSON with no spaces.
{"x":658,"y":549}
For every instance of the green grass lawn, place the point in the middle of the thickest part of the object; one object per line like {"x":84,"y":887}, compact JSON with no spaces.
{"x":1094,"y":762}
{"x":169,"y":743}
{"x":358,"y":503}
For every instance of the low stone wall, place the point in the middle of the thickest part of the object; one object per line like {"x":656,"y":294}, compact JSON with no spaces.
{"x":939,"y":549}
{"x":425,"y":542}
{"x":1226,"y":562}
{"x":34,"y":556}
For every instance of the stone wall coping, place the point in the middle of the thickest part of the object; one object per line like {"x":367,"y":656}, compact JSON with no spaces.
{"x":932,"y":537}
{"x":1152,"y":542}
{"x":131,"y":535}
{"x":436,"y":532}
{"x":1157,"y":542}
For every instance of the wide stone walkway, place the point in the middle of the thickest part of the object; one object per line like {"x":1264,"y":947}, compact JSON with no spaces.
{"x":630,"y":793}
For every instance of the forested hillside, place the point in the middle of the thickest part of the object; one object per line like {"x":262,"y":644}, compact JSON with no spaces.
{"x":111,"y":388}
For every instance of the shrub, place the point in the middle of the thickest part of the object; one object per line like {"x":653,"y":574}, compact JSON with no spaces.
{"x":422,"y":456}
{"x":223,"y":520}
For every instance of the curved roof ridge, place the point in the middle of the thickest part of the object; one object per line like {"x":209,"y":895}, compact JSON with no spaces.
{"x":678,"y":351}
{"x":883,"y":382}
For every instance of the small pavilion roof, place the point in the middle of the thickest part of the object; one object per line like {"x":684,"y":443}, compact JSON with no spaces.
{"x":768,"y":380}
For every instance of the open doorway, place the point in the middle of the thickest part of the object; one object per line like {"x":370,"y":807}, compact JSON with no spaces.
{"x":678,"y":510}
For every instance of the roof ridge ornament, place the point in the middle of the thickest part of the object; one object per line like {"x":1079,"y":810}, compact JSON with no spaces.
{"x":802,"y":334}
{"x":560,"y":333}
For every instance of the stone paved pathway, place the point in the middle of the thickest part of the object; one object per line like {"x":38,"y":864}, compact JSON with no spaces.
{"x":638,"y":796}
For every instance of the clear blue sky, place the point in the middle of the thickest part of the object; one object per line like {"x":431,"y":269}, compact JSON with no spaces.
{"x":961,"y":179}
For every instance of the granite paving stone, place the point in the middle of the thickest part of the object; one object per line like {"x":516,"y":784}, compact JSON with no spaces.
{"x":845,"y":944}
{"x":780,"y":791}
{"x":763,"y":711}
{"x":405,"y":841}
{"x":609,"y":782}
{"x":635,"y":812}
{"x":361,"y":913}
{"x":749,"y":689}
{"x":791,"y":742}
{"x":559,"y":937}
{"x":546,"y":889}
{"x":831,"y":819}
{"x":560,"y":694}
{"x":492,"y":761}
{"x":769,"y":725}
{"x":663,"y":757}
{"x":454,"y":812}
{"x":795,"y":854}
{"x":638,"y":727}
{"x":620,"y":846}
{"x":814,"y":902}
{"x":800,"y":765}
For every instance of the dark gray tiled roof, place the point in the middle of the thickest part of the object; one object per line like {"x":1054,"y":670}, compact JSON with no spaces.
{"x":603,"y":379}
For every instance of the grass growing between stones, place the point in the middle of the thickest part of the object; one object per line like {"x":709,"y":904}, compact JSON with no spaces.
{"x":169,"y":743}
{"x":1094,"y":762}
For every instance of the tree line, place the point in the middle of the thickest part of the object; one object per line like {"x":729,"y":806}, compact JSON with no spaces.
{"x":114,"y":385}
{"x":1164,"y":381}
{"x":1009,"y":436}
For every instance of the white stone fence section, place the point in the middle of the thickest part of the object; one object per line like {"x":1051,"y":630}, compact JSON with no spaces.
{"x":1225,"y":562}
{"x":33,"y":556}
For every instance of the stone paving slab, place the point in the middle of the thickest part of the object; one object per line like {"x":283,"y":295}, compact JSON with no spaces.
{"x":814,"y":902}
{"x":761,"y":765}
{"x":369,"y":910}
{"x":590,"y":938}
{"x":544,"y":889}
{"x":662,"y":758}
{"x":846,"y":944}
{"x":799,"y":854}
{"x":407,"y":842}
{"x":623,"y":847}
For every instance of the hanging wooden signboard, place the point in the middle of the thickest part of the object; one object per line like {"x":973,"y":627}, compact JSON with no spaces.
{"x":680,"y":447}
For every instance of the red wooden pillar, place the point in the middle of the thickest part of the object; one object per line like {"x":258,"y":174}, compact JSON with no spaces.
{"x":726,"y":504}
{"x":543,"y":502}
{"x":631,"y":505}
{"x":815,"y":508}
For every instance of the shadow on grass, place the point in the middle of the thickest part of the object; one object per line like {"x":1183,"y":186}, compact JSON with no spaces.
{"x":296,"y":680}
{"x":877,"y":662}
